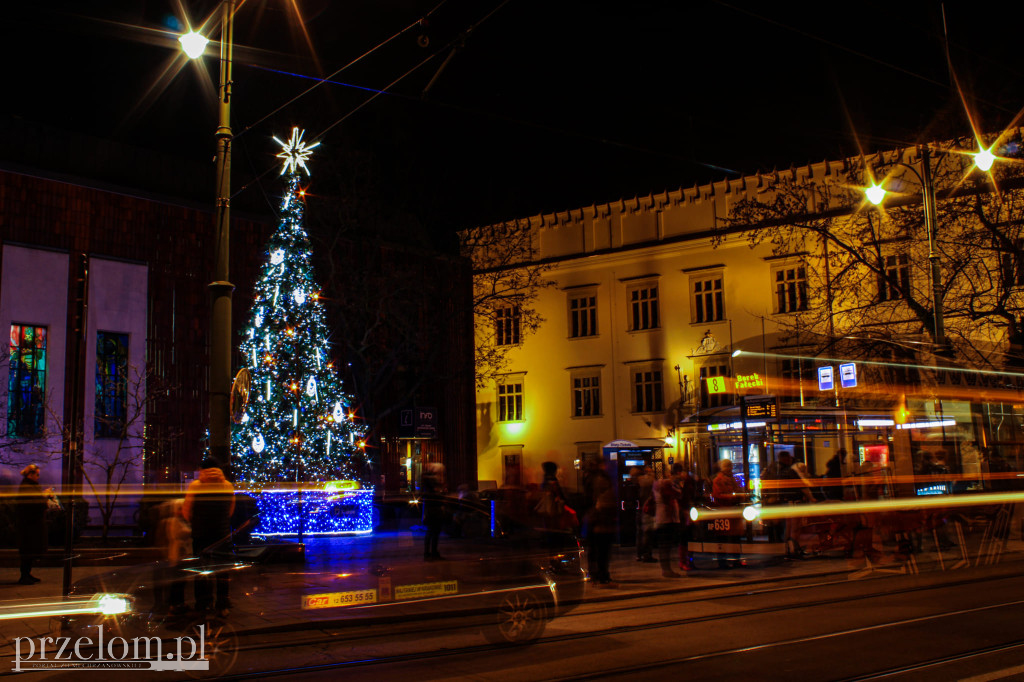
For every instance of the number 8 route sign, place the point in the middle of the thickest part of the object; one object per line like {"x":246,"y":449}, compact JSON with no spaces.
{"x":718,"y":384}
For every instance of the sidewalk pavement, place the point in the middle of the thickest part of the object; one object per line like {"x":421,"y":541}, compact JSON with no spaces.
{"x":632,"y":578}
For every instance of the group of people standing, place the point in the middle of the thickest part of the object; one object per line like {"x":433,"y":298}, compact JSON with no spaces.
{"x":187,"y":527}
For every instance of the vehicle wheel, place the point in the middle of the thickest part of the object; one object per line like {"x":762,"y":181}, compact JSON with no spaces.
{"x":221,"y":648}
{"x":521,"y":617}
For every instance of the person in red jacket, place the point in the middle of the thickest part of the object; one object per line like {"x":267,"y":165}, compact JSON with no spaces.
{"x":727,"y":492}
{"x":725,"y":489}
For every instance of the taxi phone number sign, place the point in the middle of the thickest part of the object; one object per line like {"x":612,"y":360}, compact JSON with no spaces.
{"x":426,"y":590}
{"x":334,"y":599}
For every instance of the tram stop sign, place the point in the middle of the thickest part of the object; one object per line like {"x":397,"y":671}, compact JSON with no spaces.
{"x":848,"y":375}
{"x":826,"y":381}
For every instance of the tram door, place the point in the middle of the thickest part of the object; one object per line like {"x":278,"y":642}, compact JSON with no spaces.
{"x":619,"y":458}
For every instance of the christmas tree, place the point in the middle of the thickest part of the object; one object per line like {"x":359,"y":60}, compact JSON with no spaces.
{"x":296,"y":444}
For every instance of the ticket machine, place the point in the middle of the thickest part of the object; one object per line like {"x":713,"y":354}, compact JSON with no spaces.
{"x":619,"y":458}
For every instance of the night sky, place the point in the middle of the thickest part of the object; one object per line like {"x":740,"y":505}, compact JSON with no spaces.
{"x":544,"y":104}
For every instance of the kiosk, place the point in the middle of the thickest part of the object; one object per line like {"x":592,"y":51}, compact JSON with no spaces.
{"x":619,"y":457}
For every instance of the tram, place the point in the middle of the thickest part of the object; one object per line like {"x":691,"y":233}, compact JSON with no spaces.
{"x":862,"y":473}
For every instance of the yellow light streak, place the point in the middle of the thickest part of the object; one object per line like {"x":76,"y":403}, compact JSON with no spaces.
{"x":922,"y":503}
{"x":100,"y":604}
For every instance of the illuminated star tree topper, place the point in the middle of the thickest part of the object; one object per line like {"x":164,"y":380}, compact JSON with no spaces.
{"x":295,"y":152}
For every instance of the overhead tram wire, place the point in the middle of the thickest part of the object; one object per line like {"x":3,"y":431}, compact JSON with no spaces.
{"x":856,"y":53}
{"x":326,"y":79}
{"x":386,"y":90}
{"x":377,"y":93}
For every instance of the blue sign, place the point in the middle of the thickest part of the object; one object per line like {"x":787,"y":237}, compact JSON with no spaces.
{"x":848,"y":375}
{"x":826,"y":382}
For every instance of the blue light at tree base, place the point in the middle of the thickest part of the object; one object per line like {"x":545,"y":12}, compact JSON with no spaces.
{"x":314,"y":511}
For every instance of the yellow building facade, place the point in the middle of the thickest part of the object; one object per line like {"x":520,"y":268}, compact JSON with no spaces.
{"x":650,"y":298}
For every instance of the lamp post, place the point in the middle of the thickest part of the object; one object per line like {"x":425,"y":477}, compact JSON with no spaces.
{"x":220,"y":288}
{"x":983,"y":159}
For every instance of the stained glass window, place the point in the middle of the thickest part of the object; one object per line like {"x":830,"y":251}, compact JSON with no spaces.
{"x":111,"y":384}
{"x":26,"y":385}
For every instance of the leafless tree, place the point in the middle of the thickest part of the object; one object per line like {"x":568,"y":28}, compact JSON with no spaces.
{"x":106,"y":471}
{"x":868,"y":270}
{"x":506,"y":278}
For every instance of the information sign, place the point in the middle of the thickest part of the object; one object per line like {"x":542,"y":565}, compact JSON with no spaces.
{"x":718,"y":384}
{"x":761,"y":407}
{"x":848,"y":375}
{"x":826,"y":380}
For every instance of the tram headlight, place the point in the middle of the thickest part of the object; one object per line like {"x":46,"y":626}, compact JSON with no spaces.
{"x":751,"y":513}
{"x":693,"y":514}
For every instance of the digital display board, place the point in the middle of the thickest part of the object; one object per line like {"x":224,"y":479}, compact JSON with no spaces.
{"x":761,"y":407}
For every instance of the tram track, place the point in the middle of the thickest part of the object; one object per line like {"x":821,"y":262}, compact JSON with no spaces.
{"x":681,"y":660}
{"x":714,"y":596}
{"x":944,"y":660}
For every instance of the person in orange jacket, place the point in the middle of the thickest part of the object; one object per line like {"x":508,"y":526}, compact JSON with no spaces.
{"x":209,"y":503}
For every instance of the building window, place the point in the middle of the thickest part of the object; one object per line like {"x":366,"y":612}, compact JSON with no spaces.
{"x":791,"y":289}
{"x":895,"y":283}
{"x":26,"y":386}
{"x":709,"y":399}
{"x":643,"y":307}
{"x":510,"y":400}
{"x":586,"y":395}
{"x":708,"y":303}
{"x":582,"y":316}
{"x":111,"y":384}
{"x":647,"y":390}
{"x":797,"y":375}
{"x":507,"y":321}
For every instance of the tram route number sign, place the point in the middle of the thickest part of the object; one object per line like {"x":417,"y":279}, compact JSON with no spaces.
{"x":760,"y":407}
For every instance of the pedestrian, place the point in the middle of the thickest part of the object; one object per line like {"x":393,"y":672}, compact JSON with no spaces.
{"x":667,"y":493}
{"x":832,"y":486}
{"x":209,"y":503}
{"x":30,"y":521}
{"x":799,"y":493}
{"x":600,"y":522}
{"x":727,"y":492}
{"x":645,"y":517}
{"x":174,"y":538}
{"x":687,"y":499}
{"x":725,"y":489}
{"x":552,"y":506}
{"x":432,"y":486}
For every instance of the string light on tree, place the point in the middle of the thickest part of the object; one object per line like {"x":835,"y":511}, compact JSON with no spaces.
{"x":294,"y":433}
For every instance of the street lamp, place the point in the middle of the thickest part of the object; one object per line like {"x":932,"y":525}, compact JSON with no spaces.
{"x":194,"y":44}
{"x":220,"y":288}
{"x":983,"y":160}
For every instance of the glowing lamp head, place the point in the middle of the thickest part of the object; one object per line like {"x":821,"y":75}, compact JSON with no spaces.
{"x":193,"y":44}
{"x":113,"y":604}
{"x":875,"y":194}
{"x":984,"y":160}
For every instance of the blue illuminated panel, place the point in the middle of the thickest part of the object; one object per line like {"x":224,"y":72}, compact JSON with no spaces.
{"x":315,"y":512}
